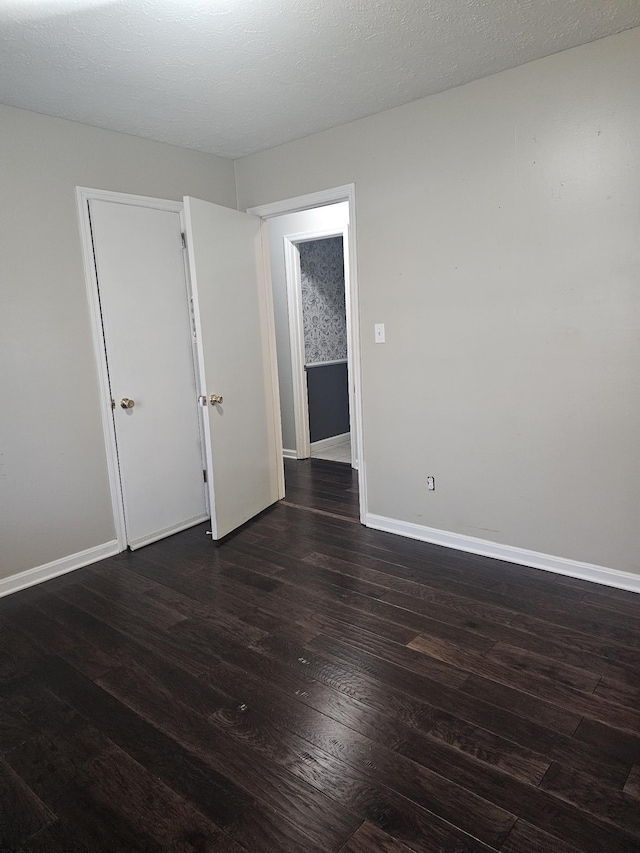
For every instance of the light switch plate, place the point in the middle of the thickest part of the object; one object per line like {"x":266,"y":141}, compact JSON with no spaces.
{"x":379,"y":333}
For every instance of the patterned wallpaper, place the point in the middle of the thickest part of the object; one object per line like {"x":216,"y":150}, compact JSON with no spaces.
{"x":323,"y":302}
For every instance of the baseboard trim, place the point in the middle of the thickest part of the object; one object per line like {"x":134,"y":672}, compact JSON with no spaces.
{"x":289,"y":454}
{"x":326,"y":443}
{"x":39,"y":574}
{"x":520,"y":556}
{"x":168,"y":531}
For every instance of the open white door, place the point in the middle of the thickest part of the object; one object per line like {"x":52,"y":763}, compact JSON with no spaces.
{"x":236,"y":347}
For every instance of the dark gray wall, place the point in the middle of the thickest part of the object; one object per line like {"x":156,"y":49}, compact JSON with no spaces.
{"x":328,"y":391}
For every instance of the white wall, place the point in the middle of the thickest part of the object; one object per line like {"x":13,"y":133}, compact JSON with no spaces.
{"x":54,"y":492}
{"x":321,"y":219}
{"x":499,"y":241}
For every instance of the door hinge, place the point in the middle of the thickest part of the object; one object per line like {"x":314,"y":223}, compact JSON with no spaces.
{"x":204,"y":474}
{"x":184,"y":240}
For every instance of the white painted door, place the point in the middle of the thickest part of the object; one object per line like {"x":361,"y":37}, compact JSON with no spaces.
{"x":149,"y":346}
{"x":236,"y":347}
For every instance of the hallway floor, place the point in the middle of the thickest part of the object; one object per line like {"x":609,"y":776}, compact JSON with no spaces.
{"x":340,"y":452}
{"x":310,"y":686}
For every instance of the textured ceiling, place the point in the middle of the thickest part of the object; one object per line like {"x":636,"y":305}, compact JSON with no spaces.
{"x":236,"y":76}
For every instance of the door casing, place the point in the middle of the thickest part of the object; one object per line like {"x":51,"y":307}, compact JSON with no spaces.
{"x":347,"y":193}
{"x":296,"y":333}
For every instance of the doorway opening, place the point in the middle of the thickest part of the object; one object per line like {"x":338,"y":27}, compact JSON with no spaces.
{"x":316,"y":376}
{"x":317,"y":302}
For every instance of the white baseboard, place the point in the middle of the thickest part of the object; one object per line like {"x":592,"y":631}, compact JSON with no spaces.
{"x":134,"y":544}
{"x":326,"y":443}
{"x":289,"y":454}
{"x":521,"y":556}
{"x":30,"y":577}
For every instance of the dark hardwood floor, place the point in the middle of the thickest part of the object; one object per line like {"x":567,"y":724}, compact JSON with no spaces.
{"x":311,"y":685}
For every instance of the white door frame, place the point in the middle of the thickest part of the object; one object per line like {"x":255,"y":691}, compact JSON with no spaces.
{"x":307,"y":202}
{"x":83,"y":196}
{"x":293,"y":278}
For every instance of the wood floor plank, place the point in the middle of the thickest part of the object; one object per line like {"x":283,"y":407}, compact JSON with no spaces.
{"x":541,"y":602}
{"x":62,"y":785}
{"x":525,"y":838}
{"x":421,"y":827}
{"x":602,"y":598}
{"x":237,"y":608}
{"x":368,"y":837}
{"x":22,"y":813}
{"x":622,"y":745}
{"x":363,"y":602}
{"x":587,"y":793}
{"x":442,"y":629}
{"x":524,"y":678}
{"x":524,"y":705}
{"x":402,"y":562}
{"x":49,"y":638}
{"x":16,"y":659}
{"x":548,"y":812}
{"x":15,"y":729}
{"x":407,"y":573}
{"x":147,"y":630}
{"x":273,"y":611}
{"x":468,"y":607}
{"x":583,"y":641}
{"x":331,"y":599}
{"x":58,"y":837}
{"x":405,"y":656}
{"x":621,"y":692}
{"x":499,"y":719}
{"x":310,"y":684}
{"x":114,"y":777}
{"x":227,"y":804}
{"x":272,"y":785}
{"x":327,"y":737}
{"x":54,"y":764}
{"x":152,"y":615}
{"x":506,"y":664}
{"x":632,"y":785}
{"x":291,"y":569}
{"x":450,"y":734}
{"x":541,"y":665}
{"x":326,"y":620}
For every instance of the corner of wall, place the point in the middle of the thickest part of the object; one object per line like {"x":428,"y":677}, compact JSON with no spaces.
{"x":235,"y":183}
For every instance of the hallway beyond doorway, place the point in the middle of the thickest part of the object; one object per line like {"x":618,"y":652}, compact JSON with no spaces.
{"x":340,"y":451}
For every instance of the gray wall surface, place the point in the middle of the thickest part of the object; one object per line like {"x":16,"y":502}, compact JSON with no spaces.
{"x":54,"y":489}
{"x":498,"y":229}
{"x":498,"y":240}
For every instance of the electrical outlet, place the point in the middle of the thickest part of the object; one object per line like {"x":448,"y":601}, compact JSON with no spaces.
{"x":431,"y":484}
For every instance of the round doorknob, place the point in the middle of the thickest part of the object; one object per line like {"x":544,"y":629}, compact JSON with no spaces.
{"x":215,"y":398}
{"x":126,"y":403}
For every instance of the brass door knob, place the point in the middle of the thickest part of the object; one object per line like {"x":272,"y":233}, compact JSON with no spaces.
{"x":126,"y":403}
{"x":215,"y":398}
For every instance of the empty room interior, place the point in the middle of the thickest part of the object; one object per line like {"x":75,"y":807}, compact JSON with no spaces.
{"x":319,"y":464}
